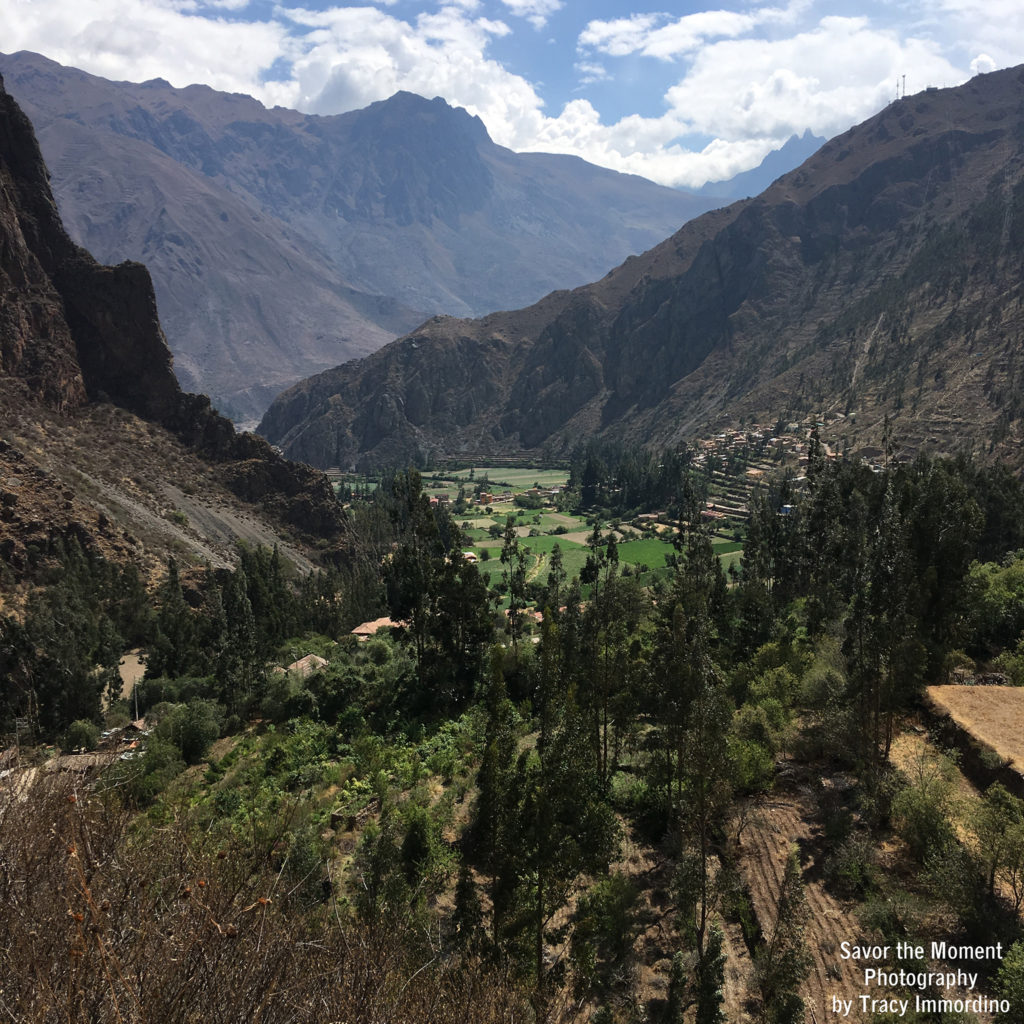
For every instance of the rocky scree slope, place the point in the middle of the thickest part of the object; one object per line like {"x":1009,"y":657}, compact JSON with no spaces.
{"x":881,"y":278}
{"x":282,"y":244}
{"x":77,"y":338}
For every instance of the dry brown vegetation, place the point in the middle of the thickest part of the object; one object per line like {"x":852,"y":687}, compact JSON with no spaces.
{"x":992,"y":714}
{"x":107,"y":919}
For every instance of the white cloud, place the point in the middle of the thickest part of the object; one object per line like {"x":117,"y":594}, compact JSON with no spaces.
{"x":590,"y":72}
{"x":536,"y":12}
{"x":982,"y":64}
{"x":656,"y":35}
{"x":141,"y":39}
{"x":747,"y":92}
{"x":348,"y":57}
{"x":642,"y":34}
{"x":618,"y":37}
{"x":988,"y":27}
{"x":746,"y":80}
{"x":825,"y":79}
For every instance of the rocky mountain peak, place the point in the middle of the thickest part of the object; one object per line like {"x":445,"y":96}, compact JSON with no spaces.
{"x":407,"y":108}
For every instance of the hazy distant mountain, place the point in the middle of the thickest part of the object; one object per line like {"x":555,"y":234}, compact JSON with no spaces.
{"x":883,"y":277}
{"x":778,"y":162}
{"x":281,"y":243}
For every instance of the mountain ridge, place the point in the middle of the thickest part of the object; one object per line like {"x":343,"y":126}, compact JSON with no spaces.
{"x":793,"y":152}
{"x":837,"y":289}
{"x":282,"y":244}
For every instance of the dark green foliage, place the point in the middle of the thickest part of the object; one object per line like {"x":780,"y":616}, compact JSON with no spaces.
{"x":606,"y":924}
{"x":1010,"y":983}
{"x":513,"y":559}
{"x":382,"y":892}
{"x":399,"y":863}
{"x":552,"y":825}
{"x":710,"y":980}
{"x":887,"y":554}
{"x":493,"y":830}
{"x":468,"y":917}
{"x":921,"y":811}
{"x":418,"y":845}
{"x":665,"y":703}
{"x":192,"y":728}
{"x":628,"y":480}
{"x":999,"y":827}
{"x":304,"y":869}
{"x":850,"y":869}
{"x":140,"y":780}
{"x":173,"y":649}
{"x":441,"y":596}
{"x":72,"y":626}
{"x":82,"y":734}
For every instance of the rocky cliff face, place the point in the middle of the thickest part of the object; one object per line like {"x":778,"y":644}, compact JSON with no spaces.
{"x":35,"y":341}
{"x":98,"y":332}
{"x":880,"y":278}
{"x":73,"y":333}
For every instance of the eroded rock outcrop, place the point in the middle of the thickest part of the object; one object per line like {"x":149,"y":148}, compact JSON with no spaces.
{"x":73,"y":331}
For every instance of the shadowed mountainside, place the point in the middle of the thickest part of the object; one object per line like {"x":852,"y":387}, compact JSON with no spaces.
{"x":77,"y":338}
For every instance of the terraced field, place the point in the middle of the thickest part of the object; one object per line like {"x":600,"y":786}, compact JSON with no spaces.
{"x":773,"y":829}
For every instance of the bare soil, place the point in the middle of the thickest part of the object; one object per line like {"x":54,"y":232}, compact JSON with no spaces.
{"x":131,"y":669}
{"x":128,"y":486}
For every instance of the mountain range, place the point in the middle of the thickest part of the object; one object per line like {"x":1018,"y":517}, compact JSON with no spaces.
{"x":791,"y":154}
{"x":282,"y":244}
{"x":877,"y":288}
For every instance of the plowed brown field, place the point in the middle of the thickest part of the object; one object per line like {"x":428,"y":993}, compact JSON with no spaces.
{"x":772,"y":830}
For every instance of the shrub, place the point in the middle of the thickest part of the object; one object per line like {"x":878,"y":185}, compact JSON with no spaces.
{"x":1010,"y":982}
{"x":192,"y":728}
{"x":82,"y":733}
{"x":850,"y":870}
{"x":922,"y":810}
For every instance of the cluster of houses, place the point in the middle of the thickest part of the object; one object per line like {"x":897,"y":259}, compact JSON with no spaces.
{"x":544,"y":494}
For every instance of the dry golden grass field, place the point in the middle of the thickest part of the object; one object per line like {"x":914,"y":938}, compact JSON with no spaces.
{"x":992,"y":714}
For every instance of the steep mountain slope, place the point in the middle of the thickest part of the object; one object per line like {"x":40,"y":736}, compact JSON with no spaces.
{"x":882,"y":277}
{"x":282,"y":244}
{"x":97,"y":441}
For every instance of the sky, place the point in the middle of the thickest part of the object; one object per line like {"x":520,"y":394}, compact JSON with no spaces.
{"x":682,"y":93}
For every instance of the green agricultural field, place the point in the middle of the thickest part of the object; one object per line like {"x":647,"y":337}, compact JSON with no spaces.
{"x":726,"y":547}
{"x":574,"y":556}
{"x":649,"y":552}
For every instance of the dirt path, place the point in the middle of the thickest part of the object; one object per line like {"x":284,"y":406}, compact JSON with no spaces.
{"x":131,"y":669}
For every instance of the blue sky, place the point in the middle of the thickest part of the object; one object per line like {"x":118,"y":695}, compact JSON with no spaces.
{"x":680,"y":93}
